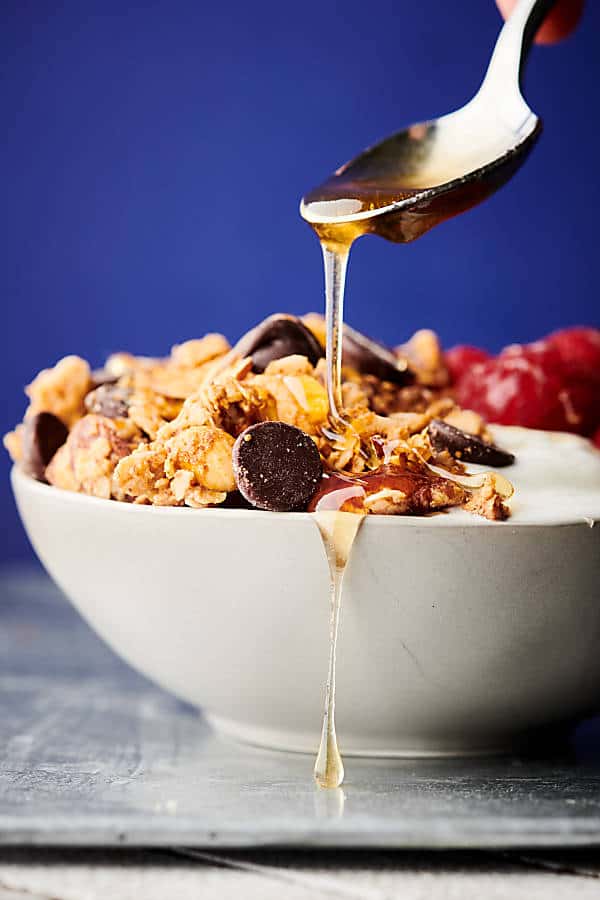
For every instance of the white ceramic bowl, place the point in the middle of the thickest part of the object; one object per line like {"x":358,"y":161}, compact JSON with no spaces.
{"x":457,"y":635}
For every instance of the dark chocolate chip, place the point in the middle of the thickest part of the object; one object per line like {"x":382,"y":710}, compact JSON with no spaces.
{"x":103,"y":376}
{"x":109,"y":400}
{"x":369,"y":357}
{"x":276,"y":337}
{"x":43,"y":434}
{"x":466,"y":447}
{"x":276,"y":466}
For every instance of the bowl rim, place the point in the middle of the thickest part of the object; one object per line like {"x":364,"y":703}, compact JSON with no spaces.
{"x":24,"y":483}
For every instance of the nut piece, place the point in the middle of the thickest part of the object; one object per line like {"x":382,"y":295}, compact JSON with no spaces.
{"x":170,"y":473}
{"x":13,"y":441}
{"x":151,"y":411}
{"x":103,"y":376}
{"x":290,"y":365}
{"x":87,"y":461}
{"x":277,"y":466}
{"x":109,"y":400}
{"x":425,"y":356}
{"x":119,"y":364}
{"x":299,"y":400}
{"x":204,"y":451}
{"x":196,"y":352}
{"x":466,"y":447}
{"x":141,"y":477}
{"x":61,"y":390}
{"x":467,"y":420}
{"x":278,"y":336}
{"x":228,"y":404}
{"x":488,"y":501}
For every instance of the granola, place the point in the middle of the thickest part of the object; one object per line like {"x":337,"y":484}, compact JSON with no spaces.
{"x":87,"y":460}
{"x":164,"y":431}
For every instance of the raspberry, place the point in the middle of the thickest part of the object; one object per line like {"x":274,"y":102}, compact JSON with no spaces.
{"x":514,"y":390}
{"x":552,"y":384}
{"x":459,"y":360}
{"x":578,"y":397}
{"x":540,"y":353}
{"x":580,"y":401}
{"x":579,"y":351}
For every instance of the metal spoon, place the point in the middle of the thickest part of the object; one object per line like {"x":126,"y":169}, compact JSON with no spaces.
{"x":403,"y":186}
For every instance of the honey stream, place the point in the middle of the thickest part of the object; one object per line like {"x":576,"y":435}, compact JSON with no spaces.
{"x":336,"y":211}
{"x":338,"y":531}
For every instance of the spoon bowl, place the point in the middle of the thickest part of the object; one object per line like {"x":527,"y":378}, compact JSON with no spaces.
{"x":431,"y":171}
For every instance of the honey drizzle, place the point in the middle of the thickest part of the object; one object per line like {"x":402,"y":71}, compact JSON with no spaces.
{"x":338,"y":531}
{"x":335,"y":259}
{"x":358,"y":189}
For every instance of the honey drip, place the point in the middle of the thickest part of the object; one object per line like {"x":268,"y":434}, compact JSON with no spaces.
{"x":338,"y":531}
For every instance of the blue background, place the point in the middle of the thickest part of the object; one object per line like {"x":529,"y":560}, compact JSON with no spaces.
{"x":153,"y":157}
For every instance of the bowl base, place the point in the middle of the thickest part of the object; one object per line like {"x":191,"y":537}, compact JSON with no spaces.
{"x":294,"y":742}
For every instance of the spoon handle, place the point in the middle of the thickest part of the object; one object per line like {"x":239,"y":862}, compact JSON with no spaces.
{"x":510,"y":53}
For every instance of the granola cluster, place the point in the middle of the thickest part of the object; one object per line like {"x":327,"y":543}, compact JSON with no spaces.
{"x":164,"y":431}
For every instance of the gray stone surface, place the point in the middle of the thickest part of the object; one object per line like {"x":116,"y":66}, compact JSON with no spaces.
{"x":93,"y":754}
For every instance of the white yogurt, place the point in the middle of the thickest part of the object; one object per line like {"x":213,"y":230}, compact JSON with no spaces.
{"x":556,"y":476}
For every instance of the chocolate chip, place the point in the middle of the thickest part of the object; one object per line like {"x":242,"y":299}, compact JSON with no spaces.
{"x":466,"y":447}
{"x":369,"y":357}
{"x":276,"y":337}
{"x":276,"y":466}
{"x":43,"y":434}
{"x":109,"y":400}
{"x":104,"y":376}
